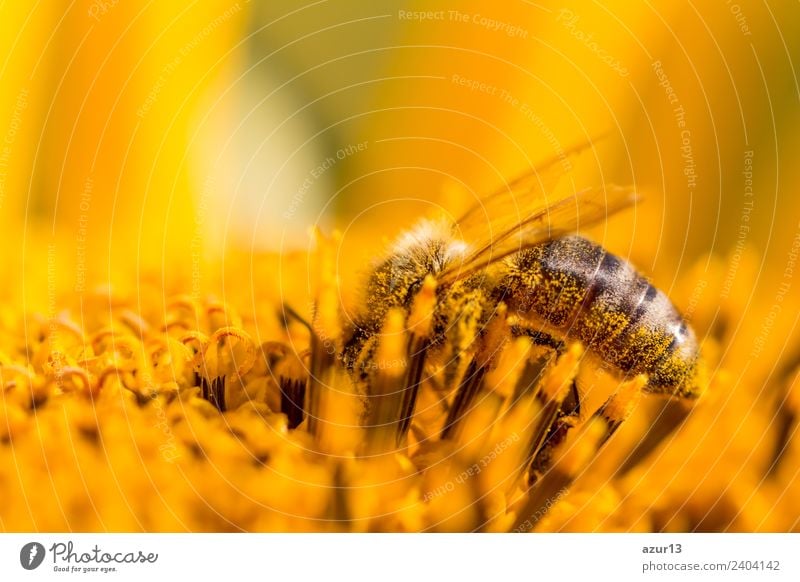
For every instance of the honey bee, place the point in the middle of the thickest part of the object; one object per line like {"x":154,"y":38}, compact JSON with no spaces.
{"x":514,"y":248}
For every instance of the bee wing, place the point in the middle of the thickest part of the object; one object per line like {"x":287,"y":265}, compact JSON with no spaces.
{"x":528,"y":189}
{"x":542,"y":221}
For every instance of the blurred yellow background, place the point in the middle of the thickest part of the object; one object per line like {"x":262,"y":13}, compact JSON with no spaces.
{"x":137,"y":132}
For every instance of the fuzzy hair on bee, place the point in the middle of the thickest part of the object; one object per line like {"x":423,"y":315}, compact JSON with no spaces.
{"x":426,"y":249}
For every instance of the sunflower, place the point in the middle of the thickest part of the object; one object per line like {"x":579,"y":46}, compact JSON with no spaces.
{"x":172,"y":359}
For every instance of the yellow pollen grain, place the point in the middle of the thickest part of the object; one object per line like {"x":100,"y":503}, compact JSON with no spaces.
{"x":602,"y":327}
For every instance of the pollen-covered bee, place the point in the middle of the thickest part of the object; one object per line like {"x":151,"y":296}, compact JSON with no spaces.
{"x":557,"y":287}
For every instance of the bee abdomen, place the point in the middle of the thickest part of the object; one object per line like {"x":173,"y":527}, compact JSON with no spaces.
{"x":554,"y":281}
{"x":576,"y":290}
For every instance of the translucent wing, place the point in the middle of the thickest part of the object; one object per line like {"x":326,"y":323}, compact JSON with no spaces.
{"x":542,"y":220}
{"x":527,"y":191}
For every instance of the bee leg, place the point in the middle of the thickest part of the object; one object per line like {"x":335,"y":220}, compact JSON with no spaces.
{"x":572,"y":403}
{"x":470,"y":386}
{"x":552,"y":433}
{"x":547,"y":483}
{"x":416,"y":368}
{"x":613,"y":412}
{"x":550,"y":481}
{"x":540,"y":338}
